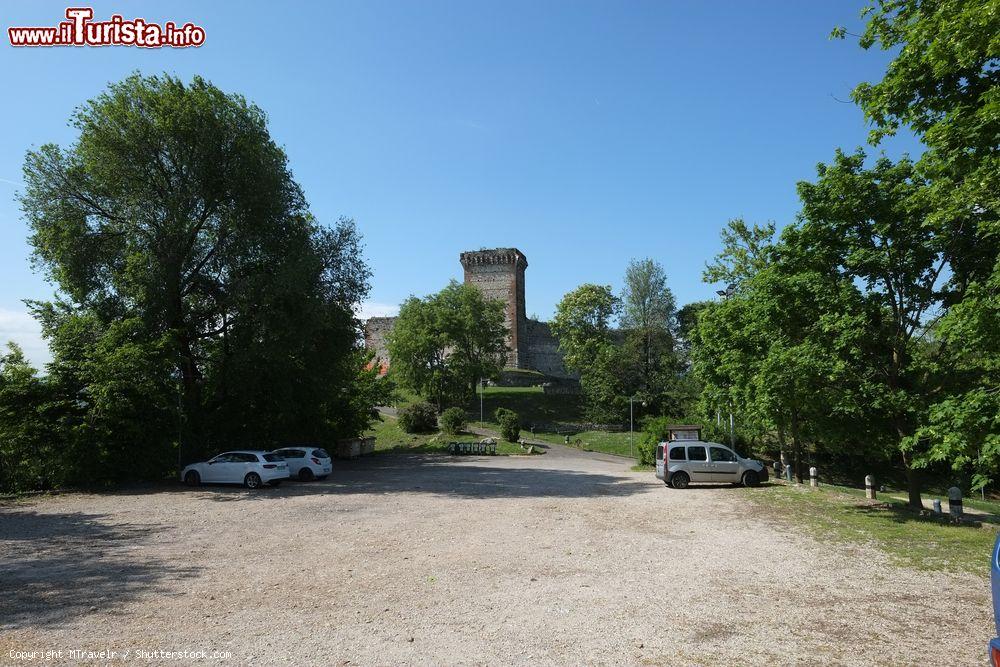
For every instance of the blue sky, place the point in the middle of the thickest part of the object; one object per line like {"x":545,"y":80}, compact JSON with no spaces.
{"x":583,"y":133}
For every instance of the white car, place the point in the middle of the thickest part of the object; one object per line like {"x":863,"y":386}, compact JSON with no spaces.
{"x":306,"y":463}
{"x":250,"y":468}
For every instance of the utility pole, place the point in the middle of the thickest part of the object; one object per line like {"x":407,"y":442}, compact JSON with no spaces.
{"x":725,"y":294}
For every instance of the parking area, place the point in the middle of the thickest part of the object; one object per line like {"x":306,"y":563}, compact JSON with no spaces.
{"x":566,"y":558}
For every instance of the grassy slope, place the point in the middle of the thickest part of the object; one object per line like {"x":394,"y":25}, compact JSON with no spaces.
{"x":907,"y":538}
{"x":389,"y":437}
{"x":536,"y":407}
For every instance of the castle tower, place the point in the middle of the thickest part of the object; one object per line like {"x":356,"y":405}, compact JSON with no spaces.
{"x":499,"y":274}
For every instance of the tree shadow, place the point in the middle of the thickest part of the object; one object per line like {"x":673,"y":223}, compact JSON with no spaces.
{"x":695,"y":486}
{"x":901,"y":513}
{"x":466,"y":476}
{"x":59,"y":566}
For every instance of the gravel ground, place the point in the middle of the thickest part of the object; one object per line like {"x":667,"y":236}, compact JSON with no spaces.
{"x":566,"y":558}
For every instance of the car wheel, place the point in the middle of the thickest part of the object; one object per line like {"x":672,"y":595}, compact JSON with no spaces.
{"x":751,"y":478}
{"x":680,"y":480}
{"x":192,"y":478}
{"x":252,"y":481}
{"x":306,"y":474}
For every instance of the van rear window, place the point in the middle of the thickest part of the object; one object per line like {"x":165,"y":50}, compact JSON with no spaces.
{"x":677,"y":454}
{"x":697,"y":454}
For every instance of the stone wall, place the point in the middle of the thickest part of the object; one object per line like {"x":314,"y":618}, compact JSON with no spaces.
{"x":376,"y":337}
{"x":543,"y":351}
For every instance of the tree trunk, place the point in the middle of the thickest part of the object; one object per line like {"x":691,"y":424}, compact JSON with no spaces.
{"x":781,"y":446}
{"x":914,"y":500}
{"x":796,"y":447}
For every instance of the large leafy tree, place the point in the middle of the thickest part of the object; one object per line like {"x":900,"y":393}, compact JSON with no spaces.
{"x":442,"y":345}
{"x":873,"y":226}
{"x":174,"y":224}
{"x":583,"y":326}
{"x":771,"y":350}
{"x":943,"y":83}
{"x":648,"y":321}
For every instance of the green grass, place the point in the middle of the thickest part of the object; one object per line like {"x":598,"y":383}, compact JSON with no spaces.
{"x":389,"y":437}
{"x":593,"y":441}
{"x":534,"y":406}
{"x":531,"y":403}
{"x":899,"y":496}
{"x":906,"y":537}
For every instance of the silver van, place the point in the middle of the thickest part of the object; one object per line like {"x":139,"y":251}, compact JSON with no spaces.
{"x":680,"y":462}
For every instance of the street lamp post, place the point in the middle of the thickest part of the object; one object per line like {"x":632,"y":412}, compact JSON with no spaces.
{"x":631,"y":423}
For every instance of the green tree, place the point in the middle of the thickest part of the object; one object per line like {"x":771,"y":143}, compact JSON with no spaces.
{"x":942,"y":83}
{"x":747,"y":249}
{"x":173,"y":223}
{"x":873,"y":227}
{"x":648,"y":321}
{"x":582,"y":325}
{"x":28,"y":437}
{"x":442,"y":345}
{"x":782,"y":350}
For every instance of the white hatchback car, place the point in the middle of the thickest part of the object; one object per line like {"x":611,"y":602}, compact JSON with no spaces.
{"x":250,"y":468}
{"x":306,"y":463}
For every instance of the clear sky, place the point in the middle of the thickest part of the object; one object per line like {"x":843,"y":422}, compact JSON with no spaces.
{"x":583,"y":133}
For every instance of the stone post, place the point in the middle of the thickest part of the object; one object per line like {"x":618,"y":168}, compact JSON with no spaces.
{"x":869,"y":487}
{"x":955,"y":501}
{"x":937,"y":506}
{"x":813,"y":477}
{"x":788,"y":474}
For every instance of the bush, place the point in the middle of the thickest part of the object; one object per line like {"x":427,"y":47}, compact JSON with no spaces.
{"x":510,"y":425}
{"x":418,"y":418}
{"x":453,"y":421}
{"x":653,"y":433}
{"x":500,"y":413}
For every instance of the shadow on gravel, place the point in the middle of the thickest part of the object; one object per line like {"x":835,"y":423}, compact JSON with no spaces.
{"x":727,"y":485}
{"x":59,"y":566}
{"x":437,"y":475}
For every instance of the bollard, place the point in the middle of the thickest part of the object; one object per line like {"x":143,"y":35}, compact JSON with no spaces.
{"x":955,"y":501}
{"x":777,"y":470}
{"x":788,"y":473}
{"x":813,"y":477}
{"x":937,"y":506}
{"x":869,"y":487}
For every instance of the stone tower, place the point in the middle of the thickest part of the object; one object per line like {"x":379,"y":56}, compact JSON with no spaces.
{"x":499,"y":274}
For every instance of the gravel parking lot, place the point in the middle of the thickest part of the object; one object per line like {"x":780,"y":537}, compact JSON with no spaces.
{"x":566,"y":558}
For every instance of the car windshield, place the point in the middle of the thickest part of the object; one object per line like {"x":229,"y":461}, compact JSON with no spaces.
{"x":271,"y":458}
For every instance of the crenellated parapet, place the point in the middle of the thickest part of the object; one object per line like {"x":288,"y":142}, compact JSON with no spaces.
{"x":496,"y":256}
